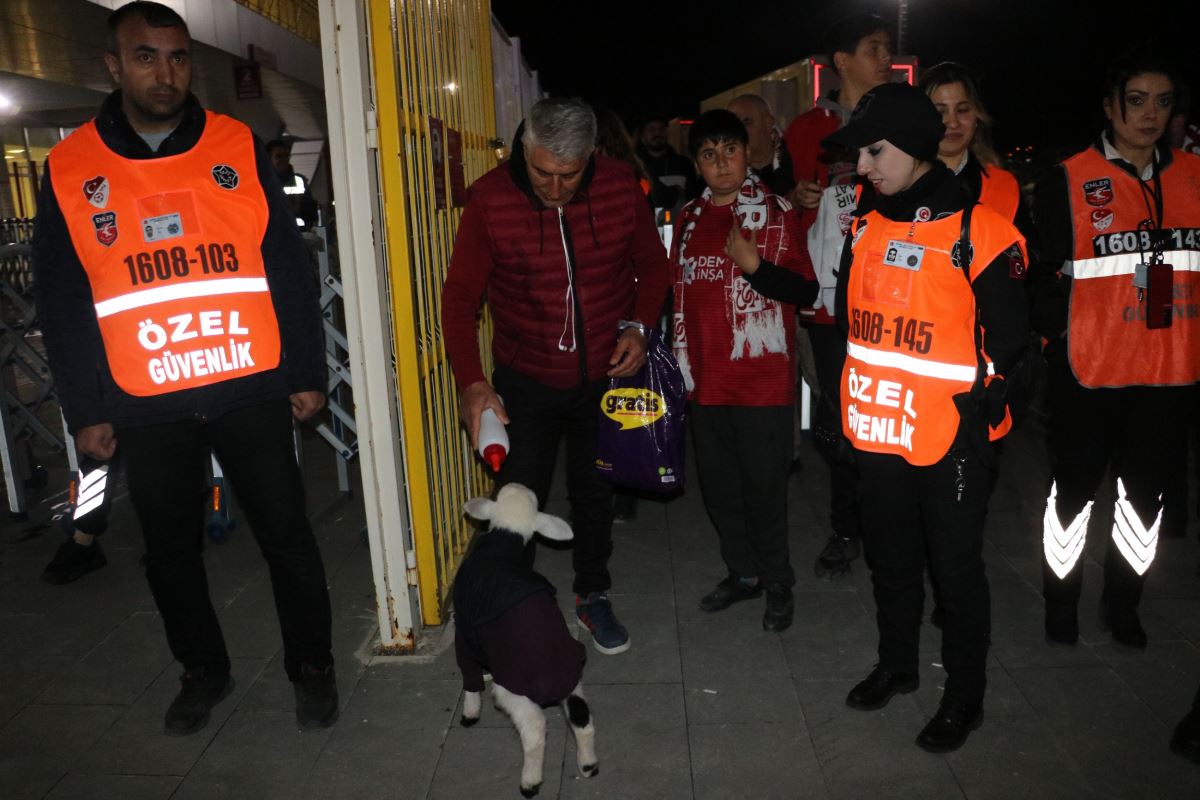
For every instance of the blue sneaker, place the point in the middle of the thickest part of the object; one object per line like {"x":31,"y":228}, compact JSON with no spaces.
{"x":608,"y":634}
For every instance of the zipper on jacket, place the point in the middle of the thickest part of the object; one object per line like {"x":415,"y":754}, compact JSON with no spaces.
{"x":576,"y":310}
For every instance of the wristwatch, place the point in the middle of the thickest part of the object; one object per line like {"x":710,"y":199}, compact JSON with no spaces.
{"x":631,"y":323}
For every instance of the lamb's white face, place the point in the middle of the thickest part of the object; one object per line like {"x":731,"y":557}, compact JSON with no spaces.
{"x":515,"y":509}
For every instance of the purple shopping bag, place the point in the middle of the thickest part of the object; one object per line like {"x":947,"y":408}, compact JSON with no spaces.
{"x":641,"y":423}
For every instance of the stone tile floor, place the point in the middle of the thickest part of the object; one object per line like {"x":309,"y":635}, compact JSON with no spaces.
{"x":700,"y":707}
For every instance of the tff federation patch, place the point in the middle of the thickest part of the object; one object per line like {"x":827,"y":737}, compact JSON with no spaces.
{"x":96,"y":191}
{"x":1098,"y":192}
{"x":1102,"y":218}
{"x":106,"y":227}
{"x":225,"y":176}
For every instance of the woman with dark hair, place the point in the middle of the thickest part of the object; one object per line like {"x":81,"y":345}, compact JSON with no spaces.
{"x":1117,"y":292}
{"x":966,"y":148}
{"x":614,"y":141}
{"x":930,"y":288}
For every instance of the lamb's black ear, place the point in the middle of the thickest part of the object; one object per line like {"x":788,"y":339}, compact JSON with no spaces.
{"x":552,"y":528}
{"x":480,"y":507}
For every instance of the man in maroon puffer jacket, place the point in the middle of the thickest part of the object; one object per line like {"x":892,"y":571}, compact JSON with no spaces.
{"x":563,"y":244}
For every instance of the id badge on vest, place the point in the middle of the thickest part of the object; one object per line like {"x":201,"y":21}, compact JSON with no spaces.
{"x":904,"y":255}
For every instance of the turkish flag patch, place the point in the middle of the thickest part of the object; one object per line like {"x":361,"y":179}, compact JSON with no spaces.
{"x":1016,"y":263}
{"x":96,"y":191}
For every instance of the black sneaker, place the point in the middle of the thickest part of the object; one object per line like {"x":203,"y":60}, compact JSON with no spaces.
{"x":72,"y":561}
{"x":835,"y":559}
{"x":198,"y":693}
{"x":316,"y":697}
{"x":729,"y":591}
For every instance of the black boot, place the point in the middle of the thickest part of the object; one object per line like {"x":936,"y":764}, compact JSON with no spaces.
{"x":1119,"y":601}
{"x":199,"y":691}
{"x":1186,"y":740}
{"x":729,"y":591}
{"x":834,"y":560}
{"x":877,"y":689}
{"x":1062,"y":604}
{"x":950,"y":726}
{"x":780,"y":608}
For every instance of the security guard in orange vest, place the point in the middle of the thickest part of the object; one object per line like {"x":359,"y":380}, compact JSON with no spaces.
{"x":931,"y":289}
{"x":966,"y":147}
{"x":179,"y":315}
{"x":1117,"y":292}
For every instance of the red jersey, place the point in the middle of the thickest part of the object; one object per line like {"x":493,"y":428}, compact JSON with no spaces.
{"x":762,"y":380}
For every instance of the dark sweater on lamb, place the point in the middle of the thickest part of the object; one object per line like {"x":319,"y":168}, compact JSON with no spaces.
{"x":507,"y":623}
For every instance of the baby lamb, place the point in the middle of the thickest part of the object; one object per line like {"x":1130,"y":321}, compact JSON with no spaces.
{"x":507,"y":623}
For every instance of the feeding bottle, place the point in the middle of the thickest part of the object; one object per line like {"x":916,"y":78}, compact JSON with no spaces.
{"x":493,"y":439}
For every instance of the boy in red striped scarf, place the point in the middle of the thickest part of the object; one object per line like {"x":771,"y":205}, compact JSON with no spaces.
{"x":735,"y":347}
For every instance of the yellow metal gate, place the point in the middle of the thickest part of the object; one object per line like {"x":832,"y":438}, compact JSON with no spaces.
{"x":433,"y":89}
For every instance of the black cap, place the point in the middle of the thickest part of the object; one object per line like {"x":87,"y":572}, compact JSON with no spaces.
{"x":902,"y":114}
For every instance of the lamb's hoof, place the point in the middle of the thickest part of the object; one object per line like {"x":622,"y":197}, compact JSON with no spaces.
{"x":590,"y":770}
{"x":531,"y":791}
{"x":467,"y":722}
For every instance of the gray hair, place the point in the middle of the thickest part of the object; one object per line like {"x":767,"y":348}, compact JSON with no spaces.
{"x":563,"y":127}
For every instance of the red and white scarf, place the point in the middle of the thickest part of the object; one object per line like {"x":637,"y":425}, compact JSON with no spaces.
{"x":755,"y":321}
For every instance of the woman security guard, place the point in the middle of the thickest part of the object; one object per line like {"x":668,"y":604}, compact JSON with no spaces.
{"x":1116,"y":289}
{"x":966,"y":147}
{"x":932,"y":331}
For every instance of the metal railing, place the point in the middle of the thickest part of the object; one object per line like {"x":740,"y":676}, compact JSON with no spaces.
{"x":433,"y":89}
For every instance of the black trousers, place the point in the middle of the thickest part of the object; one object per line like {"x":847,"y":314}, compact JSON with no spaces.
{"x":165,"y":468}
{"x":539,"y":417}
{"x":935,"y":512}
{"x":1136,"y":430}
{"x":742,"y":458}
{"x":829,"y":353}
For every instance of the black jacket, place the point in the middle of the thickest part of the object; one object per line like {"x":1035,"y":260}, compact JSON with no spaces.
{"x":86,"y":390}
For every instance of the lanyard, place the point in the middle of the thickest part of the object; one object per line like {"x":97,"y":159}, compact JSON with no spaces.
{"x":1152,"y":224}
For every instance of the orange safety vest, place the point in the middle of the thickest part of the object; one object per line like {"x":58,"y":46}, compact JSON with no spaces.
{"x":911,"y":346}
{"x":172,"y":250}
{"x":1000,"y":191}
{"x":1108,"y":343}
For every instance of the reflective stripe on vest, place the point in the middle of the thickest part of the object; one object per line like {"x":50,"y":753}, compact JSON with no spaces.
{"x":172,"y":250}
{"x":911,"y":346}
{"x":1108,"y":342}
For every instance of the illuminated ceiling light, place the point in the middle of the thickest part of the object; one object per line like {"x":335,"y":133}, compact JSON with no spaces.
{"x":451,"y":87}
{"x":5,"y":103}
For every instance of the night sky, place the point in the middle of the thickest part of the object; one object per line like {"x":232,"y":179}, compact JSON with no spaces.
{"x":1041,"y":61}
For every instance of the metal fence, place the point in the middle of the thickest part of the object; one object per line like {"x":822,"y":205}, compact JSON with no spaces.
{"x":433,"y":88}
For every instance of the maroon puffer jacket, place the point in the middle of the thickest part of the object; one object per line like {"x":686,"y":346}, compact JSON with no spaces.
{"x":511,"y":246}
